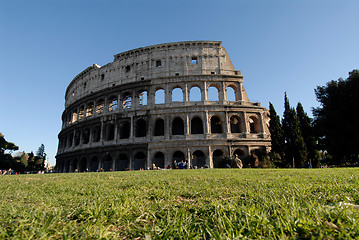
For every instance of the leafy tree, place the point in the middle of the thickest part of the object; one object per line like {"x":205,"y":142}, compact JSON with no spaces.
{"x":334,"y":120}
{"x":6,"y":160}
{"x":307,"y":130}
{"x":5,"y":145}
{"x":295,"y":146}
{"x":277,"y":138}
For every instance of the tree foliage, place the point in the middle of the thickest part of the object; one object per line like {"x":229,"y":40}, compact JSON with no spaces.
{"x":6,"y":159}
{"x":41,"y":152}
{"x":24,"y":161}
{"x":335,"y":119}
{"x":308,"y":134}
{"x":295,"y":149}
{"x":277,"y":138}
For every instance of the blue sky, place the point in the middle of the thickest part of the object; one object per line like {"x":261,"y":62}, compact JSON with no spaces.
{"x":280,"y":46}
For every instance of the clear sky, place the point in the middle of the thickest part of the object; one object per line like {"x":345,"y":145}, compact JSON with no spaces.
{"x":280,"y":46}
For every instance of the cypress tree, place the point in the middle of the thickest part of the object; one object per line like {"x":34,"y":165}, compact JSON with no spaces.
{"x":277,"y":137}
{"x":295,"y":147}
{"x":307,"y":130}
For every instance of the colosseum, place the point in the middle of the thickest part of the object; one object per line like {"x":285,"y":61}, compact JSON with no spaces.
{"x":181,"y":101}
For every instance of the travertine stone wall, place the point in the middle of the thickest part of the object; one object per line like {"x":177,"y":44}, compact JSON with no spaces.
{"x":156,"y":104}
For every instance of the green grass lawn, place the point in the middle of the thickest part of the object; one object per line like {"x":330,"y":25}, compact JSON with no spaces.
{"x":182,"y":204}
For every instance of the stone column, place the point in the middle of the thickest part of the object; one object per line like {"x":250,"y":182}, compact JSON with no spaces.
{"x":227,"y":127}
{"x":186,"y":94}
{"x":116,"y":130}
{"x":167,"y":126}
{"x":246,"y":124}
{"x":189,"y":158}
{"x":186,"y":125}
{"x":210,"y":157}
{"x":132,"y":126}
{"x":102,"y":132}
{"x":221,"y":90}
{"x":205,"y":92}
{"x":206,"y":124}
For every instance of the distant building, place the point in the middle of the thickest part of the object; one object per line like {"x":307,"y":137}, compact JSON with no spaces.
{"x":157,"y":104}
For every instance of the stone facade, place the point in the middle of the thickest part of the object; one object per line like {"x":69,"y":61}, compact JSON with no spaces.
{"x":156,"y":104}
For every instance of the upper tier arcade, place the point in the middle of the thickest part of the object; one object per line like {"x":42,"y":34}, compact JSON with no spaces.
{"x":154,"y":62}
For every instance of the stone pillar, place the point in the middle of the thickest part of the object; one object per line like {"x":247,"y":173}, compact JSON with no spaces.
{"x":227,"y":128}
{"x":102,"y":131}
{"x":151,"y":97}
{"x":81,"y":137}
{"x":186,"y":125}
{"x":246,"y":123}
{"x":205,"y":92}
{"x":221,"y":92}
{"x":262,"y":124}
{"x":189,"y":158}
{"x":185,"y":94}
{"x":73,"y":138}
{"x":116,"y":130}
{"x":210,"y":157}
{"x":167,"y":126}
{"x":135,"y":101}
{"x":132,"y":126}
{"x":207,"y":129}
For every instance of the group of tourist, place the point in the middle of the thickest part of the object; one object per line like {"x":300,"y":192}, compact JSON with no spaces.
{"x":7,"y":172}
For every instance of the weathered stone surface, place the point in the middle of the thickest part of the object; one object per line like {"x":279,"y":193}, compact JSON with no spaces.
{"x":113,"y":121}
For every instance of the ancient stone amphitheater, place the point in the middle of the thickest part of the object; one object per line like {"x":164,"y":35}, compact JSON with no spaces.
{"x":156,"y":104}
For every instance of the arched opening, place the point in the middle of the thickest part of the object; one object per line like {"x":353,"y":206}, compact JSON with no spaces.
{"x":177,"y":157}
{"x":196,"y":125}
{"x":83,"y":165}
{"x":69,"y":140}
{"x":216,"y":125}
{"x":195,"y":94}
{"x":74,"y":165}
{"x":67,"y":166}
{"x":143,"y":98}
{"x":62,"y":142}
{"x":82,"y":112}
{"x":159,"y":127}
{"x":160,"y":96}
{"x":141,"y":128}
{"x":94,"y":164}
{"x":235,"y":122}
{"x":122,"y":163}
{"x":177,"y":95}
{"x":127,"y":101}
{"x":113,"y":104}
{"x":89,"y":109}
{"x":139,"y":161}
{"x":231,"y":94}
{"x":125,"y":128}
{"x":253,"y":124}
{"x":74,"y":116}
{"x":213,"y":94}
{"x":218,"y":159}
{"x":77,"y":138}
{"x":96,"y":134}
{"x":110,"y":132}
{"x":240,"y":153}
{"x":177,"y":126}
{"x":86,"y":136}
{"x":107,"y":163}
{"x":199,"y":159}
{"x":68,"y":119}
{"x":100,"y":106}
{"x":159,"y":160}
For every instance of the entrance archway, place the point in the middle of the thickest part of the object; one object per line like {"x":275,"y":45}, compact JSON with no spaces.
{"x":199,"y":159}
